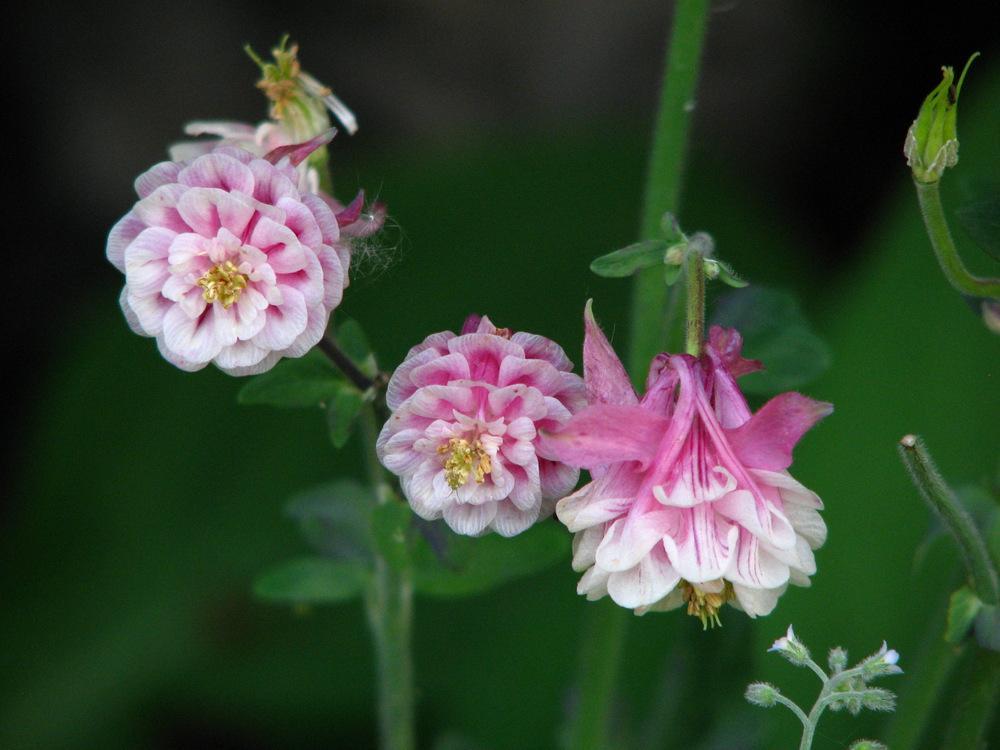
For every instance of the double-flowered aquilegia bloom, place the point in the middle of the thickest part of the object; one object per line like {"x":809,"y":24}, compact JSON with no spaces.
{"x":466,"y":412}
{"x":690,"y":501}
{"x":227,"y":261}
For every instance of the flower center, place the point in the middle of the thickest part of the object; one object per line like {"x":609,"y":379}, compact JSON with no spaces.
{"x":224,"y":283}
{"x":705,"y":605}
{"x":464,"y":458}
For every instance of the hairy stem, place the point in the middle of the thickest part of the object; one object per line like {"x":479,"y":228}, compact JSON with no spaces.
{"x":389,"y":606}
{"x":694,"y":327}
{"x":929,"y":197}
{"x":650,"y":297}
{"x":957,"y":520}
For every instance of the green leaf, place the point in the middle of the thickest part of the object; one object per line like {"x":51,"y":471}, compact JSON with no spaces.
{"x":963,"y":606}
{"x":774,"y":331}
{"x":729,"y":277}
{"x":988,"y":627}
{"x":353,"y":342}
{"x":628,"y":260}
{"x":311,"y":580}
{"x":342,"y":411}
{"x":306,"y":381}
{"x":389,"y":526}
{"x":671,"y":272}
{"x":335,"y":518}
{"x":475,"y":565}
{"x":981,"y":221}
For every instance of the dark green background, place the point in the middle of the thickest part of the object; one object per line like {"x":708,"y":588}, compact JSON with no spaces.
{"x":145,"y":500}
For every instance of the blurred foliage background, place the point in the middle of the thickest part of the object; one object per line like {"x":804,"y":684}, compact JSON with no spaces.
{"x":509,"y":144}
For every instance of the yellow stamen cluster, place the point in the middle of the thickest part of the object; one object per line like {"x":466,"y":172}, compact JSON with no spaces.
{"x":224,"y":283}
{"x":705,"y":605}
{"x":464,"y":458}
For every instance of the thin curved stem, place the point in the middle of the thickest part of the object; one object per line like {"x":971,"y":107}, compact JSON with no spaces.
{"x":929,"y":197}
{"x":795,"y":709}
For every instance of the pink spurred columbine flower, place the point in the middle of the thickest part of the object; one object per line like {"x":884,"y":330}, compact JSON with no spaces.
{"x":691,"y":501}
{"x":227,"y":261}
{"x":466,"y":412}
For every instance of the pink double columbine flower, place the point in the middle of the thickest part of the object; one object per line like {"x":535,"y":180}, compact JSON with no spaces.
{"x":228,"y":261}
{"x":691,"y":502}
{"x":466,"y":412}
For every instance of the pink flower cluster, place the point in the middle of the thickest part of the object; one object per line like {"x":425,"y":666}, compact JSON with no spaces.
{"x":691,"y":502}
{"x":228,"y":260}
{"x":466,"y":413}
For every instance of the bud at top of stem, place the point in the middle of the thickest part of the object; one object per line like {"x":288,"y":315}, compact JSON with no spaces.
{"x":932,"y":141}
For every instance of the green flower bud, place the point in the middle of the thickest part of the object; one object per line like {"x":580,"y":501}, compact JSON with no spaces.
{"x":877,"y":699}
{"x":837,"y":660}
{"x":932,"y":141}
{"x":868,"y":745}
{"x":762,"y":694}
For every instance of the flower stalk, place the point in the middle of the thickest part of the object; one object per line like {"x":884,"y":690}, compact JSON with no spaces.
{"x":929,"y":197}
{"x":652,"y":304}
{"x":941,"y":498}
{"x":694,"y":327}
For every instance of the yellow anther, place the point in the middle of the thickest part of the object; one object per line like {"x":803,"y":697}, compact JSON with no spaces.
{"x":465,"y":458}
{"x":223,"y":283}
{"x":705,"y":605}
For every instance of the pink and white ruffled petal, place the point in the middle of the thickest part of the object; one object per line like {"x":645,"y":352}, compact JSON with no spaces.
{"x":585,"y":545}
{"x":159,"y":208}
{"x":757,"y":602}
{"x":643,"y":584}
{"x":239,"y":356}
{"x":440,"y":370}
{"x":703,"y":546}
{"x":122,"y":233}
{"x":471,"y":520}
{"x":630,"y":539}
{"x":193,"y":339}
{"x":594,"y":584}
{"x":217,"y":170}
{"x":754,"y":567}
{"x":511,"y":520}
{"x":539,"y":347}
{"x":160,"y":174}
{"x":284,"y":322}
{"x":557,"y":479}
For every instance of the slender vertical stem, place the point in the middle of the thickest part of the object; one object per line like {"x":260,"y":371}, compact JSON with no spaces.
{"x":600,"y":663}
{"x":389,"y":606}
{"x":650,"y":297}
{"x":601,"y":655}
{"x":929,"y":197}
{"x":694,"y":327}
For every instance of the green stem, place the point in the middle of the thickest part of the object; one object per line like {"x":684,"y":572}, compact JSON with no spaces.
{"x":694,"y":328}
{"x":600,"y":663}
{"x":929,"y":196}
{"x":942,"y":500}
{"x":976,"y":705}
{"x":650,"y":297}
{"x":601,"y":654}
{"x":389,"y":606}
{"x":922,"y":692}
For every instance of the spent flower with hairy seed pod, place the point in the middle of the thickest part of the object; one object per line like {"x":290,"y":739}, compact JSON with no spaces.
{"x":466,"y":412}
{"x":883,"y":662}
{"x":931,"y":144}
{"x":691,"y":503}
{"x":227,"y":261}
{"x":837,"y":659}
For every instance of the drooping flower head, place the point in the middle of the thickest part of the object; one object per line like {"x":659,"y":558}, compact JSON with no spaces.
{"x":691,"y":502}
{"x":466,"y":411}
{"x":227,"y":261}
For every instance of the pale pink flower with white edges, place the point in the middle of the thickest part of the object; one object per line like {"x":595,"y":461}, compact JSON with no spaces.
{"x":690,"y":500}
{"x":227,"y":261}
{"x":466,"y":411}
